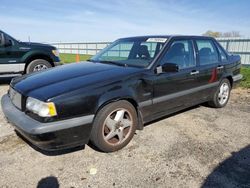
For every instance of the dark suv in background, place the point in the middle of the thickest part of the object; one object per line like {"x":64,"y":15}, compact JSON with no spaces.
{"x":25,"y":57}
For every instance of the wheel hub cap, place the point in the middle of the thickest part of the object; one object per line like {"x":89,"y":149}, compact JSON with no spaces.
{"x":39,"y":67}
{"x":117,"y":126}
{"x":223,"y":93}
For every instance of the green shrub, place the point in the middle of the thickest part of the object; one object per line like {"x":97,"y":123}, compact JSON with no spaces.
{"x":245,"y":83}
{"x":70,"y":58}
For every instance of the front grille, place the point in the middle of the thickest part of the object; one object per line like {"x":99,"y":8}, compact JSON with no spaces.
{"x":16,"y":98}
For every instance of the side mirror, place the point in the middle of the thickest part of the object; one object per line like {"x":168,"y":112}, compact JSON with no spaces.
{"x":167,"y":67}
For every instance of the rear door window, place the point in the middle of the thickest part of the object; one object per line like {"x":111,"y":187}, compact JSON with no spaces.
{"x":207,"y":52}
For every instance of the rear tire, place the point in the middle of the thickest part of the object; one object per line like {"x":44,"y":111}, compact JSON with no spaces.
{"x":222,"y":95}
{"x":114,"y":126}
{"x":38,"y":65}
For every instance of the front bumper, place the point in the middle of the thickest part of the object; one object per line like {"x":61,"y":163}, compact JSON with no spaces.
{"x":49,"y":136}
{"x":58,"y":63}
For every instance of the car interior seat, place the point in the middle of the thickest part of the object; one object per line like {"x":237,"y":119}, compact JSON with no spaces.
{"x":205,"y":55}
{"x":143,"y":52}
{"x":176,"y":54}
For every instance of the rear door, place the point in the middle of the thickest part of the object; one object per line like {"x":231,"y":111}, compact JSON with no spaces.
{"x":209,"y":65}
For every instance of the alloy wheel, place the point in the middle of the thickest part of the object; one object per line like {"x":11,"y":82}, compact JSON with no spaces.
{"x":117,"y":126}
{"x":39,"y":67}
{"x":223,"y":93}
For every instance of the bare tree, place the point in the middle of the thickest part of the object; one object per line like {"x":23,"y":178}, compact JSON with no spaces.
{"x":231,"y":34}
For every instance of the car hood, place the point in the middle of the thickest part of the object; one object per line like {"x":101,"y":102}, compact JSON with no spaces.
{"x":36,"y":45}
{"x":59,"y":80}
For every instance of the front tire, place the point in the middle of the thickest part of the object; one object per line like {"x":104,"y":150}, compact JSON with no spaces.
{"x":222,"y":95}
{"x":38,"y":65}
{"x":114,"y":126}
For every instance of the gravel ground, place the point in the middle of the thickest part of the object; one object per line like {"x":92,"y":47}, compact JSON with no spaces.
{"x":200,"y":147}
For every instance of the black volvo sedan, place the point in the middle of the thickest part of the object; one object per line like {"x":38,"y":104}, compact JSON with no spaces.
{"x":131,"y":82}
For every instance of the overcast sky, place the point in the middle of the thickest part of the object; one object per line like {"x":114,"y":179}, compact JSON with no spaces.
{"x":107,"y":20}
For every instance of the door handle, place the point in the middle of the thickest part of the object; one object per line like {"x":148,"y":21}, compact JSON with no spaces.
{"x":194,"y":72}
{"x":220,"y":67}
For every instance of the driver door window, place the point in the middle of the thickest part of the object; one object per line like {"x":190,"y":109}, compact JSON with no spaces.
{"x":181,"y":52}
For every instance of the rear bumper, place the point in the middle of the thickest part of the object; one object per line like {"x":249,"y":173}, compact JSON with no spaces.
{"x":48,"y":136}
{"x":237,"y":78}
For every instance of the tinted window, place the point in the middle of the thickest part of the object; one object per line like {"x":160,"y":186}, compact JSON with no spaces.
{"x":181,"y":53}
{"x":207,"y":52}
{"x":223,"y":56}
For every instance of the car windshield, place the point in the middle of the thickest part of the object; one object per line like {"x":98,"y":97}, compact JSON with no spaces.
{"x":137,"y":52}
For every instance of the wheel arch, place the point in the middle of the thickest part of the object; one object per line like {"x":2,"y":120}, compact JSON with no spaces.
{"x":33,"y":57}
{"x":128,"y":99}
{"x":229,"y":77}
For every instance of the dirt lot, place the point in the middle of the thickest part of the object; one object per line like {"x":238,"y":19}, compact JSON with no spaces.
{"x":198,"y":147}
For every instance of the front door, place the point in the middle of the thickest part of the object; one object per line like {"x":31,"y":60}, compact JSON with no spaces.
{"x":173,"y":91}
{"x":9,"y":56}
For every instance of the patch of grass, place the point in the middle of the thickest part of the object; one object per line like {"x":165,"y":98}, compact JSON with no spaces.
{"x":70,"y":58}
{"x":245,"y":83}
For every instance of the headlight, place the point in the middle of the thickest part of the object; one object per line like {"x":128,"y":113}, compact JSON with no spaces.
{"x":41,"y":108}
{"x":56,"y":52}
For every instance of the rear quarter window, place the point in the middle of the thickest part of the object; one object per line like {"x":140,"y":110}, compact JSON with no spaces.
{"x":223,"y":56}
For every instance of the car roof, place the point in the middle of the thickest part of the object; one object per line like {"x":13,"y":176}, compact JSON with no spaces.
{"x":169,"y":36}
